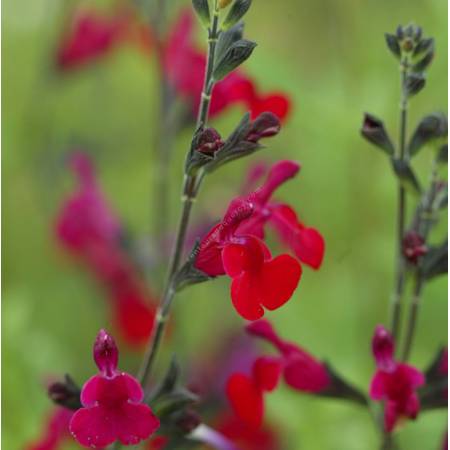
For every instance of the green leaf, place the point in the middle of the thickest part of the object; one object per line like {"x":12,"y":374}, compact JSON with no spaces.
{"x":430,"y":128}
{"x":237,"y":11}
{"x":406,"y":176}
{"x":393,"y":45}
{"x":414,"y":83}
{"x":201,"y":7}
{"x":227,"y":39}
{"x":435,"y":261}
{"x":239,"y":52}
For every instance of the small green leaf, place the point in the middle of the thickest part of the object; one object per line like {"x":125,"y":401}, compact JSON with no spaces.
{"x":435,"y":262}
{"x":237,"y":11}
{"x":201,"y":7}
{"x":393,"y":45}
{"x":414,"y":83}
{"x":227,"y":39}
{"x":239,"y":52}
{"x":406,"y":176}
{"x":424,"y":62}
{"x":431,"y":127}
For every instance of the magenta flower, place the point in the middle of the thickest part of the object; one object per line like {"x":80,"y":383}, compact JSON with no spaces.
{"x":306,"y":243}
{"x":258,"y":280}
{"x":394,"y":383}
{"x":301,"y":371}
{"x":113,"y":408}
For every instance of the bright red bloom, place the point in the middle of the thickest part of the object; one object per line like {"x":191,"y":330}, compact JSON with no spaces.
{"x":87,"y":228}
{"x":306,"y":243}
{"x":245,"y":437}
{"x":185,"y":67}
{"x":245,"y":392}
{"x":258,"y":279}
{"x":91,"y":35}
{"x":113,"y":408}
{"x":56,"y":431}
{"x":301,"y":371}
{"x":396,"y":386}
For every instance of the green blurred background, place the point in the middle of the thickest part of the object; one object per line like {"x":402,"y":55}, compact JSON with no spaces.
{"x":330,"y":57}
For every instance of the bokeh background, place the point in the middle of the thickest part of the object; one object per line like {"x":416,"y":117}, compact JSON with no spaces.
{"x":330,"y":57}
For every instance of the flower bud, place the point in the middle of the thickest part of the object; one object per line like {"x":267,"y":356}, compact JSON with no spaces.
{"x":413,"y":246}
{"x":383,"y":349}
{"x":265,"y":125}
{"x":209,"y":141}
{"x":187,"y":420}
{"x":106,"y":355}
{"x":374,"y":131}
{"x":65,"y":393}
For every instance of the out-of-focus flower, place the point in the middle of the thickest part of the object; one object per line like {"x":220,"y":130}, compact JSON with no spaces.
{"x":383,"y":349}
{"x":93,"y":35}
{"x":258,"y":280}
{"x":396,"y":386}
{"x":90,"y":231}
{"x":245,"y":437}
{"x":185,"y":67}
{"x":305,"y":242}
{"x":112,"y":403}
{"x":301,"y":371}
{"x":413,"y":246}
{"x":245,"y":392}
{"x":56,"y":431}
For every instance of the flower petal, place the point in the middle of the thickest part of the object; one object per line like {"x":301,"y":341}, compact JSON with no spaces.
{"x":278,"y":280}
{"x":92,"y":427}
{"x":246,"y":399}
{"x":245,"y":295}
{"x":267,"y":371}
{"x":377,"y":386}
{"x":135,"y":423}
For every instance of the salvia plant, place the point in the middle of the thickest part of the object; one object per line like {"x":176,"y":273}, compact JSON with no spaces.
{"x":113,"y":408}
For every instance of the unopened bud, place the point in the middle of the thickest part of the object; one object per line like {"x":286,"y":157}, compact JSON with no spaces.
{"x":65,"y":393}
{"x":209,"y":141}
{"x":413,"y":247}
{"x":265,"y":125}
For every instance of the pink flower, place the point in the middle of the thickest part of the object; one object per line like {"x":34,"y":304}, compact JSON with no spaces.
{"x":113,"y":408}
{"x":394,"y":383}
{"x":87,"y":228}
{"x":305,"y":242}
{"x":301,"y":371}
{"x":245,"y":392}
{"x":56,"y":431}
{"x":258,"y":280}
{"x":185,"y":68}
{"x":91,"y":36}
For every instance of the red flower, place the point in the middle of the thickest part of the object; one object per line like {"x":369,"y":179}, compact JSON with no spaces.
{"x":112,"y":403}
{"x":306,"y":243}
{"x":185,"y":68}
{"x":394,"y":383}
{"x":245,"y":392}
{"x":87,"y":228}
{"x":247,"y":438}
{"x":301,"y":371}
{"x":258,"y":279}
{"x":92,"y":35}
{"x":56,"y":431}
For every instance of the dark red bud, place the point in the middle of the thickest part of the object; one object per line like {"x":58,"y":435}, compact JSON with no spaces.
{"x":187,"y":420}
{"x":65,"y":393}
{"x":413,"y":246}
{"x":209,"y":141}
{"x":265,"y":125}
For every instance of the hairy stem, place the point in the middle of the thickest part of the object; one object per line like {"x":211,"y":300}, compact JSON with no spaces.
{"x":190,"y":190}
{"x":401,"y":210}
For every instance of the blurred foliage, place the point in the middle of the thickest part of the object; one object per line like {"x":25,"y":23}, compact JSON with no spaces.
{"x":331,"y":58}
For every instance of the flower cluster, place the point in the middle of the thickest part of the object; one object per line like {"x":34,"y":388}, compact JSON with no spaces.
{"x":88,"y":229}
{"x":300,"y":371}
{"x":235,"y":247}
{"x":112,"y":403}
{"x":394,"y":383}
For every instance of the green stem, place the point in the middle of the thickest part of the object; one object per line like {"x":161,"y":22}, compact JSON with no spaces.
{"x":412,"y":320}
{"x":401,"y":210}
{"x":190,"y":191}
